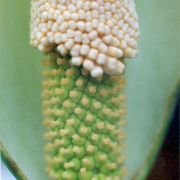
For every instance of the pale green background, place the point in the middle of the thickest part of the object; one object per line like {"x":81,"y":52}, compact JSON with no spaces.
{"x":152,"y":78}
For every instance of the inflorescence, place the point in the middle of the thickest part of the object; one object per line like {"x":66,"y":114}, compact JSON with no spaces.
{"x":84,"y":115}
{"x":98,"y":34}
{"x":84,"y":120}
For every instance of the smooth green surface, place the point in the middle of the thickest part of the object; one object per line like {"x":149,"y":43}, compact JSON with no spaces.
{"x":152,"y":78}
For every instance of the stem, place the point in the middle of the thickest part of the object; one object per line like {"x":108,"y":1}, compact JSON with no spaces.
{"x":11,"y":164}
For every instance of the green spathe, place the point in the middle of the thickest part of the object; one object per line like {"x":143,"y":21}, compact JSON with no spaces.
{"x":152,"y":78}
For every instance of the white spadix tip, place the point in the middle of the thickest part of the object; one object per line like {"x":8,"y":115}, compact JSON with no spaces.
{"x":113,"y":66}
{"x":77,"y":61}
{"x":101,"y":32}
{"x":97,"y":72}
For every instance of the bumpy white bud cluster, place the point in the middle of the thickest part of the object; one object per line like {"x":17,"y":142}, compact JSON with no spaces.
{"x":98,"y":34}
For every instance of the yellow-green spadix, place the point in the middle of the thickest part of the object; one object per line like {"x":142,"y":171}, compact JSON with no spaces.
{"x":83,"y":89}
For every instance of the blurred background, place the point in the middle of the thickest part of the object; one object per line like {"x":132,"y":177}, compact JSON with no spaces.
{"x":166,"y":166}
{"x":152,"y":79}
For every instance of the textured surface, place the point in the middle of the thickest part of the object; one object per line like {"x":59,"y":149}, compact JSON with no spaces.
{"x":151,"y":79}
{"x":84,"y":120}
{"x":97,"y":34}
